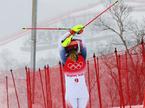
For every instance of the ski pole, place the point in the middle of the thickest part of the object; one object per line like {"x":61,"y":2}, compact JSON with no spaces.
{"x":100,"y":14}
{"x":45,"y":28}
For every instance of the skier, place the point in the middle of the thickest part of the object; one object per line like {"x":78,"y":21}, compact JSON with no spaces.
{"x":73,"y":56}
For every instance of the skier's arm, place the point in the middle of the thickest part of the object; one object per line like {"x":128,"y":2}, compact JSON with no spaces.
{"x":65,"y":42}
{"x":74,"y":30}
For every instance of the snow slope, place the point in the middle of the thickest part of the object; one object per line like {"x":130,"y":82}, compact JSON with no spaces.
{"x":133,"y":106}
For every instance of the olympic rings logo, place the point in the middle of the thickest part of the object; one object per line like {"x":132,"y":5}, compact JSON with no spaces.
{"x":75,"y":66}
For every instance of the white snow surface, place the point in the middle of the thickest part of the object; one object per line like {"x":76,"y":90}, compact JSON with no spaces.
{"x":132,"y":106}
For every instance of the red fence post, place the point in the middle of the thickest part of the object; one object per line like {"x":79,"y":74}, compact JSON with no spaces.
{"x":120,"y":81}
{"x":15,"y":89}
{"x":144,"y":100}
{"x":143,"y":50}
{"x":28,"y":87}
{"x":42,"y":88}
{"x":116,"y":55}
{"x":96,"y":64}
{"x":49,"y":85}
{"x":118,"y":61}
{"x":46,"y":86}
{"x":88,"y":68}
{"x":62,"y":85}
{"x":127,"y":80}
{"x":33,"y":88}
{"x":7,"y":91}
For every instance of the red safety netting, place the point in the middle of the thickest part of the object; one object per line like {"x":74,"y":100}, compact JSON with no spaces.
{"x":116,"y":79}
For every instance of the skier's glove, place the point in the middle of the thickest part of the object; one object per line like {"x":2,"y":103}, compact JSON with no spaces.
{"x":77,"y":28}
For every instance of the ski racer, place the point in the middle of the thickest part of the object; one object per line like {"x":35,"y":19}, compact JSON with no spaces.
{"x":73,"y":57}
